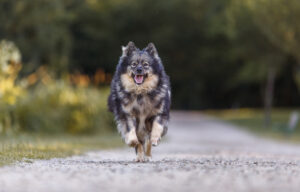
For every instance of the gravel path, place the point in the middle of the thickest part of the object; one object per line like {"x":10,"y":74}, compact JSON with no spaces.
{"x":199,"y":154}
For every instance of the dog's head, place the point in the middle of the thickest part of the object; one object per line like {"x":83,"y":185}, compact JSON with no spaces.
{"x":140,"y":64}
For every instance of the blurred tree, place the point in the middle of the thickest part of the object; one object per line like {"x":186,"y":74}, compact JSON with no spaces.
{"x":189,"y":35}
{"x":270,"y":41}
{"x":40,"y":29}
{"x":219,"y":54}
{"x":278,"y":20}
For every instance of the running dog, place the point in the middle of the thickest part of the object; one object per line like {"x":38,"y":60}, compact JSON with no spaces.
{"x":140,"y":98}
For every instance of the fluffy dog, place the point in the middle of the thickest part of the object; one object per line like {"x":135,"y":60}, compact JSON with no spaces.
{"x":140,"y":98}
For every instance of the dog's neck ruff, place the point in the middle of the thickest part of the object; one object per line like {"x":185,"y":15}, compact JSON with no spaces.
{"x":147,"y":86}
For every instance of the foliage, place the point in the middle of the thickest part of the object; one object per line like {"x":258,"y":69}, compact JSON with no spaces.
{"x":260,"y":27}
{"x":218,"y":53}
{"x":10,"y":58}
{"x":40,"y":103}
{"x":60,"y":107}
{"x":39,"y":28}
{"x":278,"y":20}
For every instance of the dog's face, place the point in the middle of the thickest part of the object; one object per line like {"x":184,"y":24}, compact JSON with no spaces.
{"x":141,"y":65}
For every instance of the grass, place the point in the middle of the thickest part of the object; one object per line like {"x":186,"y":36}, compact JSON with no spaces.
{"x":253,"y":120}
{"x":26,"y":147}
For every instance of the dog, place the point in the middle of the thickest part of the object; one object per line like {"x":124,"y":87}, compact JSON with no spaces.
{"x":140,"y":99}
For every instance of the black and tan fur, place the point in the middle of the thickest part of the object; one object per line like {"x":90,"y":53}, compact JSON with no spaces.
{"x":140,"y":98}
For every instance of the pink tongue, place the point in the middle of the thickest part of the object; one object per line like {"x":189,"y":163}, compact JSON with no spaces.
{"x":139,"y":78}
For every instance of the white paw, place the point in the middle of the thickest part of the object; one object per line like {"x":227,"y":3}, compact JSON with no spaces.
{"x":147,"y":158}
{"x":140,"y":159}
{"x":156,"y":133}
{"x":131,"y":139}
{"x":155,"y":140}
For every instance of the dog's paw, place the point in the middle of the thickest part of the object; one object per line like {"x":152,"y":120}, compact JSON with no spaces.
{"x":132,"y":142}
{"x":131,"y":139}
{"x":156,"y":133}
{"x":140,"y":159}
{"x":155,"y":141}
{"x":147,"y":158}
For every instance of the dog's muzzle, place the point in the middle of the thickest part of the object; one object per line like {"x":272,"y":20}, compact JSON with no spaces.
{"x":139,"y":78}
{"x":139,"y":75}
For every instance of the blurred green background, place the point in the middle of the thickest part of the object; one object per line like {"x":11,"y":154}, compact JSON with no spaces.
{"x":58,"y":58}
{"x":218,"y":52}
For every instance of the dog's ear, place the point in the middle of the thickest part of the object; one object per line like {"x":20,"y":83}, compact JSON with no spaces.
{"x":126,"y":51}
{"x":151,"y":50}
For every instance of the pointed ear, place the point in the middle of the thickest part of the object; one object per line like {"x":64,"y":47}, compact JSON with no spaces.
{"x":151,"y":50}
{"x":126,"y":51}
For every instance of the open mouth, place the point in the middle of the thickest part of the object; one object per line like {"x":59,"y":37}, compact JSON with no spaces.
{"x":139,"y":79}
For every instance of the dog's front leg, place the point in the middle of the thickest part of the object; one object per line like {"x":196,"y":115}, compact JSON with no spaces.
{"x":147,"y":149}
{"x":140,"y":153}
{"x":157,"y":130}
{"x":131,"y":137}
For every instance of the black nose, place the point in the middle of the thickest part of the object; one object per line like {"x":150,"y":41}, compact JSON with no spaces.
{"x":139,"y":70}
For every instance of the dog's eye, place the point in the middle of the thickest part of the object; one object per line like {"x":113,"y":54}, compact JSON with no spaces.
{"x":133,"y":64}
{"x":146,"y":64}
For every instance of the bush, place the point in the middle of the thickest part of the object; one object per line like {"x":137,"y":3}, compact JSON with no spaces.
{"x":39,"y":103}
{"x":61,"y":107}
{"x":10,"y":65}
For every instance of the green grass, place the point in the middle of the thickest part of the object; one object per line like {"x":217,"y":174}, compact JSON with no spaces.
{"x":253,"y":120}
{"x":26,"y":147}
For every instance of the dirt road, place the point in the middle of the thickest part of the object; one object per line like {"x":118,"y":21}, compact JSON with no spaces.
{"x":199,"y":154}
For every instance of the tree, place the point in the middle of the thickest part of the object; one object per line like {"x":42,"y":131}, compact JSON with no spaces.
{"x":276,"y":22}
{"x":40,"y":30}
